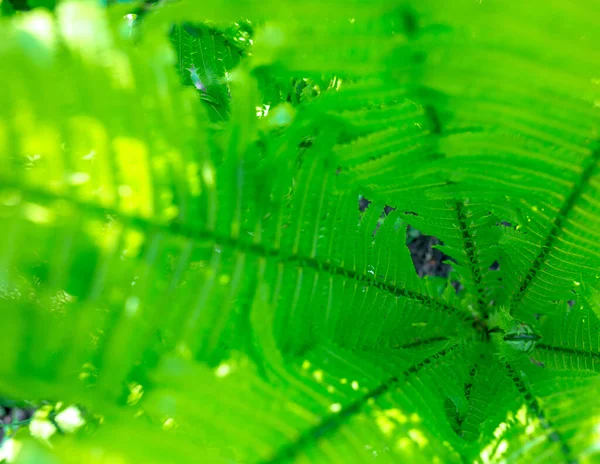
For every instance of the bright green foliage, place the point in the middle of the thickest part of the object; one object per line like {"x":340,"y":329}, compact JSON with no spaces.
{"x":182,"y":255}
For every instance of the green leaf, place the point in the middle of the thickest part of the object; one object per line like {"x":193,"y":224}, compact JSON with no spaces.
{"x":185,"y":263}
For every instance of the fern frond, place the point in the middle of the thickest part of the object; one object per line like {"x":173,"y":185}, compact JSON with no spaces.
{"x":570,"y":341}
{"x":184,"y":258}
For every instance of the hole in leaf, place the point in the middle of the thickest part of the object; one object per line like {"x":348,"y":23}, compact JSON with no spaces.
{"x":11,"y":412}
{"x":426,"y":259}
{"x":495,"y":266}
{"x":458,"y":287}
{"x":387,"y":210}
{"x":536,"y":362}
{"x":363,"y":203}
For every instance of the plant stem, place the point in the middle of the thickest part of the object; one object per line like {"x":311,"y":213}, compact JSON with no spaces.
{"x":16,"y":423}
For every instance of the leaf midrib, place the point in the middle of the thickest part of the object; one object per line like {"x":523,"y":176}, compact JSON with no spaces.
{"x":257,"y":249}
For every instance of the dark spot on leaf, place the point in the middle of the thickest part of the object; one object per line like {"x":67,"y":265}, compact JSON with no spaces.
{"x":453,"y":415}
{"x":554,"y":436}
{"x":410,"y":21}
{"x":434,"y":121}
{"x":306,"y":142}
{"x":418,"y":57}
{"x":191,"y":30}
